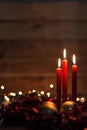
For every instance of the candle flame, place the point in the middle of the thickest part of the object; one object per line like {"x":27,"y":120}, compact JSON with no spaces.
{"x":64,"y":53}
{"x":59,"y":62}
{"x":74,"y":59}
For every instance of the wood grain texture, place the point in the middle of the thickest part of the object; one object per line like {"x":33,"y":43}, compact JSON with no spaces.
{"x":32,"y":38}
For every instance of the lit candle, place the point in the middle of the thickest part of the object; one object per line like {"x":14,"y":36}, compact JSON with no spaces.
{"x":58,"y":71}
{"x":65,"y":75}
{"x":74,"y":78}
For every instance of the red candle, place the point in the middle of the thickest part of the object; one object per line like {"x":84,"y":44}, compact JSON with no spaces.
{"x":74,"y":79}
{"x":65,"y":75}
{"x":58,"y":71}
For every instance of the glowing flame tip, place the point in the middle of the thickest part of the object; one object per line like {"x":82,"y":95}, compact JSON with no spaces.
{"x":64,"y":53}
{"x":74,"y":59}
{"x":59,"y":62}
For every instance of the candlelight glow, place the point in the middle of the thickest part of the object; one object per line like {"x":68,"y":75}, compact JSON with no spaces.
{"x":74,"y":59}
{"x":64,"y":53}
{"x":59,"y":62}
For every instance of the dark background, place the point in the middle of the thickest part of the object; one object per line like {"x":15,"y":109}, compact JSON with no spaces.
{"x":32,"y":38}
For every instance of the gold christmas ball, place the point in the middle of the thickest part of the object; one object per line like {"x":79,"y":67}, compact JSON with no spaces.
{"x":48,"y":108}
{"x":67,"y":106}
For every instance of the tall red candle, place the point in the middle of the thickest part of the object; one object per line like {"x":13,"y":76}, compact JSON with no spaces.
{"x":59,"y":72}
{"x":74,"y":79}
{"x":65,"y":75}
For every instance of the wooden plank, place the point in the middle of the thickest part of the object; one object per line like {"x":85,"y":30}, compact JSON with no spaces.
{"x":33,"y":36}
{"x":48,"y":11}
{"x":44,"y":30}
{"x":35,"y":68}
{"x":39,"y":49}
{"x":16,"y":84}
{"x":26,"y":84}
{"x":35,"y":58}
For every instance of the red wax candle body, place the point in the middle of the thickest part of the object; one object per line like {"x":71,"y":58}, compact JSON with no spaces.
{"x":74,"y":82}
{"x":65,"y":78}
{"x":58,"y":71}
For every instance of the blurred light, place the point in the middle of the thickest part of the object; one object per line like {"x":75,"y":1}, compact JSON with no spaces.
{"x":51,"y":85}
{"x":68,"y":98}
{"x":6,"y":98}
{"x":33,"y":91}
{"x":85,"y":129}
{"x":77,"y":99}
{"x":82,"y":99}
{"x":38,"y":95}
{"x":48,"y":94}
{"x":20,"y":93}
{"x":12,"y":94}
{"x":42,"y":92}
{"x":2,"y":87}
{"x":29,"y":92}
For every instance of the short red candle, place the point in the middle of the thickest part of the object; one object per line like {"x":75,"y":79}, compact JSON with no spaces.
{"x":59,"y":72}
{"x":74,"y":79}
{"x":65,"y":75}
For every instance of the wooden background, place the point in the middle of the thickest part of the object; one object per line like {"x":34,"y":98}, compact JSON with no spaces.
{"x":32,"y":38}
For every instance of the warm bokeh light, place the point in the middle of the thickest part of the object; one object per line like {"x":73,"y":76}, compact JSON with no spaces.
{"x":12,"y":94}
{"x":33,"y":91}
{"x":42,"y":92}
{"x":85,"y":129}
{"x":20,"y":93}
{"x":51,"y":85}
{"x":82,"y":99}
{"x":6,"y":98}
{"x":29,"y":92}
{"x":2,"y":87}
{"x":38,"y":95}
{"x":77,"y":99}
{"x":48,"y":94}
